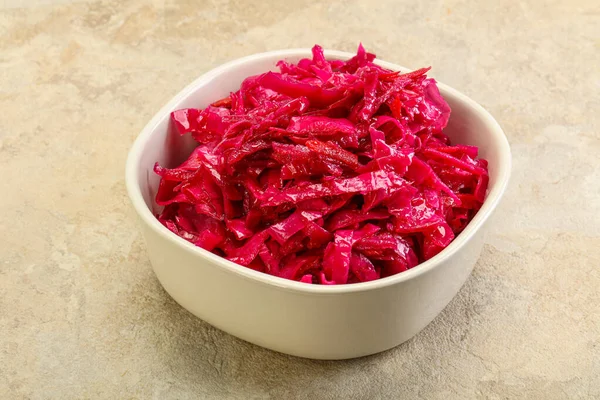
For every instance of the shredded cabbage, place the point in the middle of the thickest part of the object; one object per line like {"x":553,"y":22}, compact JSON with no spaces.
{"x":327,"y":172}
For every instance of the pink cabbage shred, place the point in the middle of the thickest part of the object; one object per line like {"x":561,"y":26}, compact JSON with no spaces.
{"x":327,"y":172}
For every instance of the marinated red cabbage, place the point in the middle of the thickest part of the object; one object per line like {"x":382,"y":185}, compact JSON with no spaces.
{"x":327,"y":172}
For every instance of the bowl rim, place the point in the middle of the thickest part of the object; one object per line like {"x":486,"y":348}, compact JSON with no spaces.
{"x":146,"y":215}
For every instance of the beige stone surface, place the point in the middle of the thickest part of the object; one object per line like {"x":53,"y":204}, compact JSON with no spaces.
{"x":81,"y":313}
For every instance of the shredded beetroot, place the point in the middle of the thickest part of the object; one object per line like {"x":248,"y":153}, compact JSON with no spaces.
{"x":328,"y":172}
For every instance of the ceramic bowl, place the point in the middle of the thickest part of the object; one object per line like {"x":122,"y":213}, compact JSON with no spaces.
{"x":314,"y":321}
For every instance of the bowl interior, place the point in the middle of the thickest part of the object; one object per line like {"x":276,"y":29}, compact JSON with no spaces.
{"x":469,"y":124}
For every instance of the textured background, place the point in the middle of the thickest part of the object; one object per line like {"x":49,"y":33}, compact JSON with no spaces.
{"x":81,"y":313}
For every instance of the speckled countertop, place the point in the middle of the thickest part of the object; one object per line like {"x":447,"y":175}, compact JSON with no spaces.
{"x":81,"y":313}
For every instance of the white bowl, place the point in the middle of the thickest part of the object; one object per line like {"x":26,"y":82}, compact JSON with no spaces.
{"x":322,"y":322}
